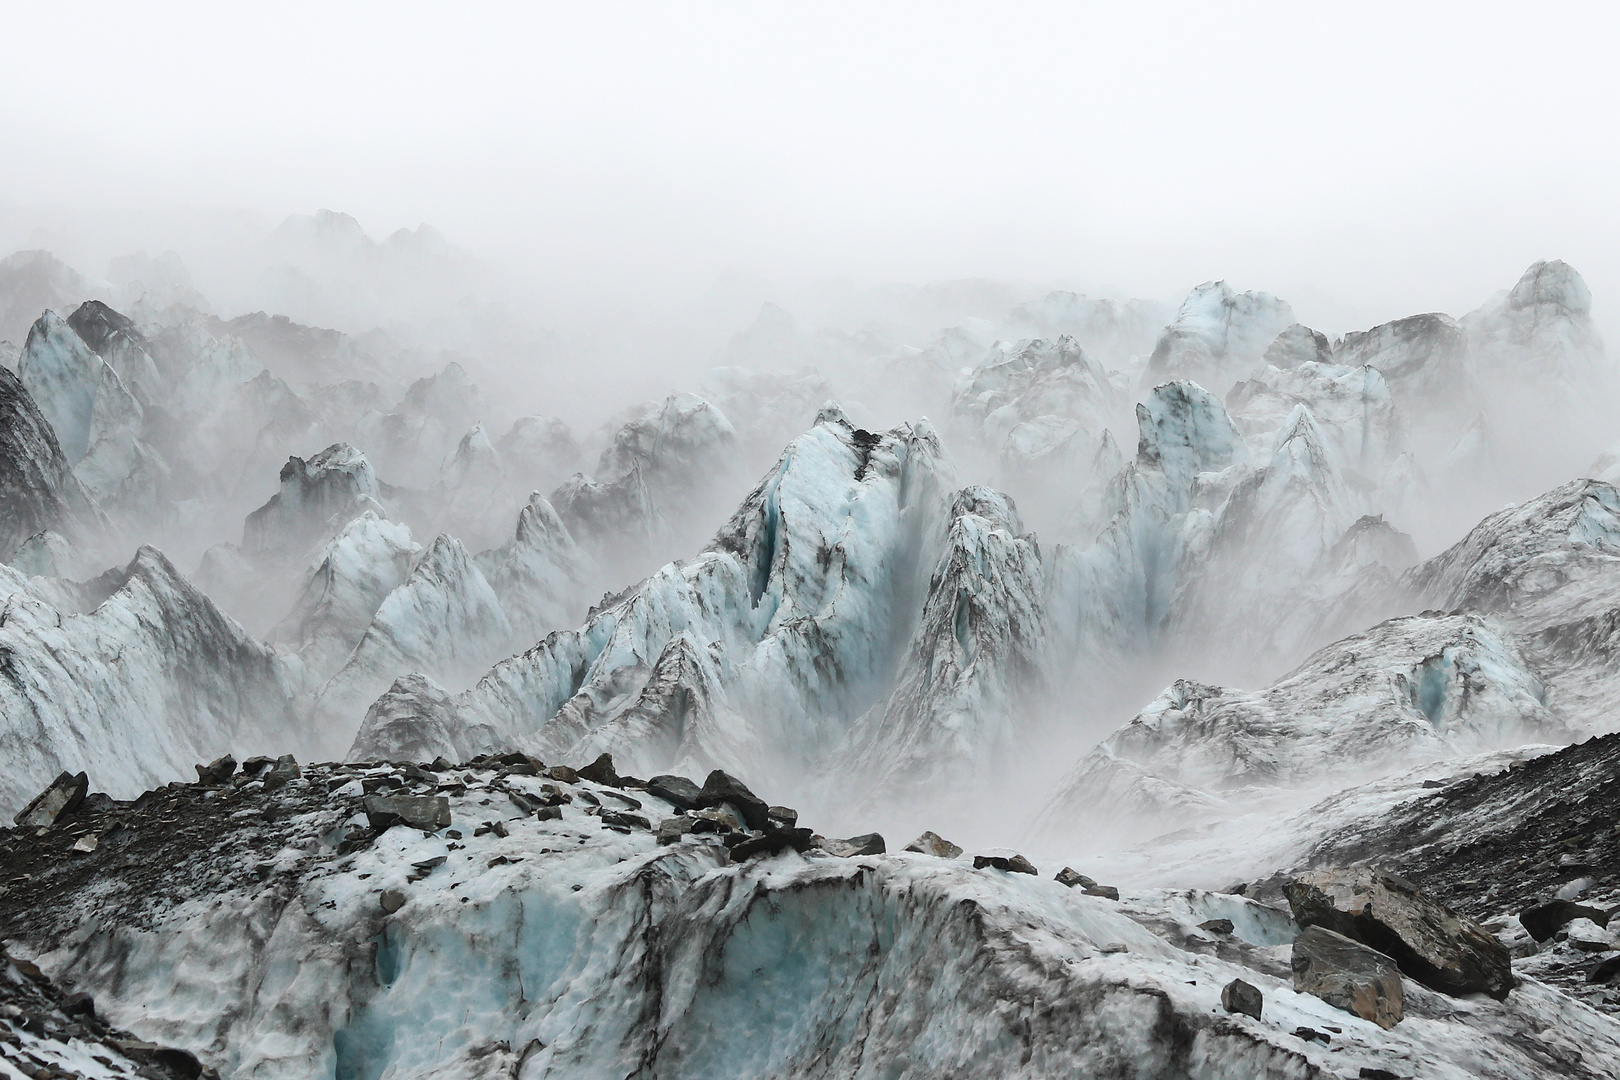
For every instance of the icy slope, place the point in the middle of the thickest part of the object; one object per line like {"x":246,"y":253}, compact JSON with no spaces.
{"x":442,"y":621}
{"x":1113,"y":331}
{"x":1253,"y":584}
{"x":411,"y":441}
{"x":1540,"y":335}
{"x":1550,"y":569}
{"x":1408,"y":691}
{"x":339,"y":481}
{"x":1109,"y":600}
{"x":152,"y":681}
{"x":659,"y":486}
{"x":37,"y":488}
{"x":1035,"y":398}
{"x":763,"y":649}
{"x":1357,"y":417}
{"x":365,"y":562}
{"x":540,"y":576}
{"x":1217,"y":336}
{"x":31,"y":282}
{"x":249,"y":927}
{"x":96,"y":419}
{"x":960,"y":708}
{"x":1424,"y":358}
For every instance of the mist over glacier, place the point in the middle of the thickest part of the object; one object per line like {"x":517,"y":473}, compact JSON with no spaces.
{"x":511,"y":524}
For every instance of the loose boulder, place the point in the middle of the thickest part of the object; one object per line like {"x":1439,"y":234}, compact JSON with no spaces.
{"x":783,"y":817}
{"x":1544,"y":920}
{"x":216,"y":772}
{"x":670,"y":830}
{"x":1436,"y":946}
{"x":865,"y":844}
{"x":601,"y":771}
{"x":429,"y":813}
{"x":1240,"y":997}
{"x":722,"y":787}
{"x":1348,"y":975}
{"x":678,"y":791}
{"x":1015,"y":864}
{"x":771,"y":843}
{"x":282,"y":773}
{"x":60,"y":799}
{"x":1072,"y":877}
{"x":931,"y":843}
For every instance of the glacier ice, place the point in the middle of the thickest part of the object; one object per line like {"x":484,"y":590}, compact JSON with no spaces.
{"x":136,"y":691}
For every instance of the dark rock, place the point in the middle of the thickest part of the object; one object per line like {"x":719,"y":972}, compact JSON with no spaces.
{"x":562,"y":774}
{"x":931,"y":843}
{"x":770,"y":844}
{"x":1312,"y":1035}
{"x":1545,"y":920}
{"x":1436,"y":946}
{"x":589,"y":797}
{"x":1107,"y":892}
{"x":619,"y":796}
{"x":181,"y":1062}
{"x":59,"y":800}
{"x":548,"y":813}
{"x":722,"y":787}
{"x":391,"y":901}
{"x":1606,"y":972}
{"x":1070,"y":877}
{"x":601,"y":771}
{"x":79,"y":1005}
{"x":430,"y":813}
{"x":670,"y":830}
{"x":282,"y":773}
{"x":516,"y":757}
{"x":216,"y":772}
{"x":1015,"y":864}
{"x":633,"y":821}
{"x":97,"y":802}
{"x":36,"y":481}
{"x":442,"y":764}
{"x":1223,"y":927}
{"x":1240,"y":997}
{"x":253,"y":766}
{"x":678,"y":791}
{"x":416,"y":774}
{"x":783,"y":817}
{"x":865,"y":844}
{"x":551,"y":795}
{"x":1348,"y":975}
{"x":429,"y":865}
{"x":1370,"y":1073}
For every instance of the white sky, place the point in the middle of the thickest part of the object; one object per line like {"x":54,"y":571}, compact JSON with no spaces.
{"x":1363,"y":160}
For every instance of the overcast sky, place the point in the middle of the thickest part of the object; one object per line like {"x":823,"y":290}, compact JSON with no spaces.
{"x":1363,"y":160}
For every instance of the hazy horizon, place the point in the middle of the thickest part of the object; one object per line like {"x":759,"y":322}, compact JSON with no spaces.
{"x":637,"y":156}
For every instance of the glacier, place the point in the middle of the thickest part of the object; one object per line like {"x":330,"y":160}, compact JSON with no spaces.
{"x":1351,"y":599}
